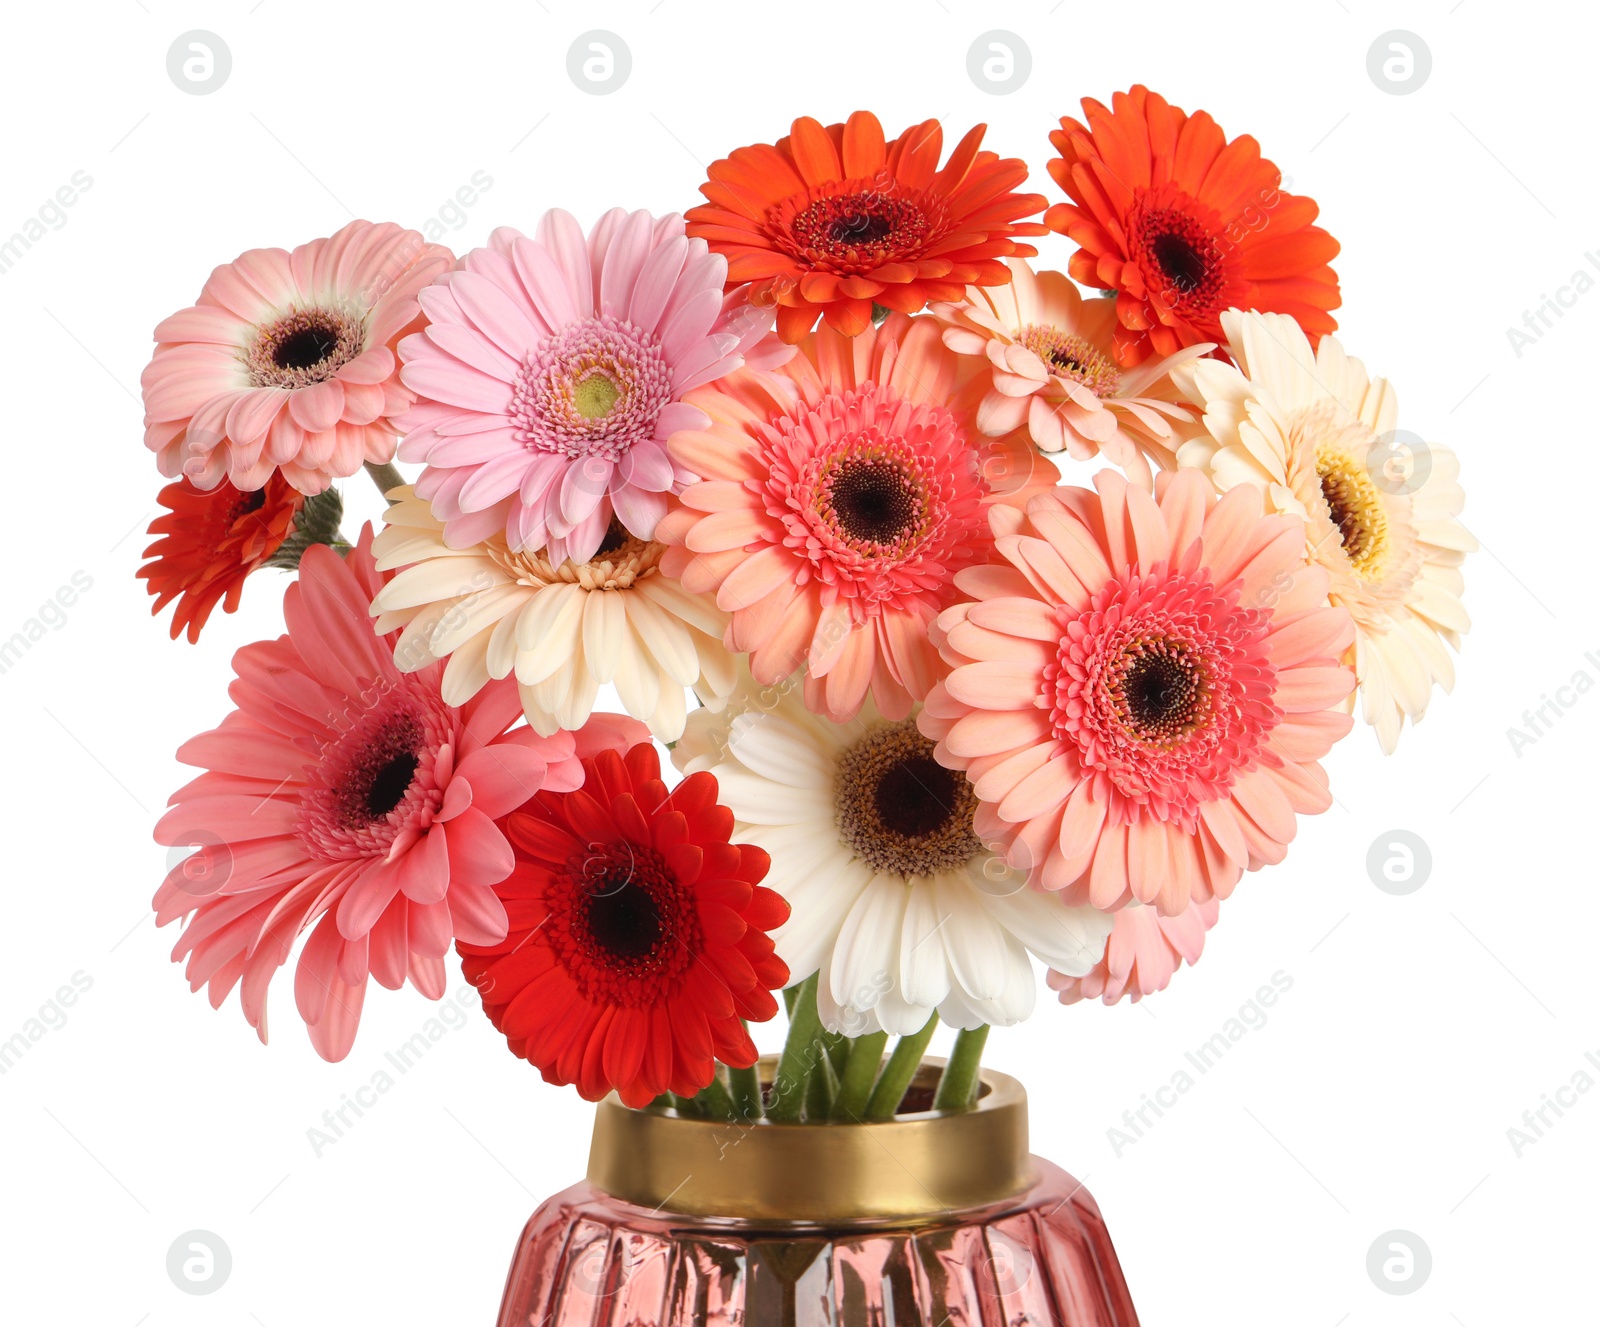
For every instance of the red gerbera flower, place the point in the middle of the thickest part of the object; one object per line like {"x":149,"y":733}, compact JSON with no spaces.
{"x":834,"y":220}
{"x":638,"y":934}
{"x":210,"y":542}
{"x":1184,"y":225}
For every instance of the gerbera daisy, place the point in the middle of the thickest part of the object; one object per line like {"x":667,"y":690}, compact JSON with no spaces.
{"x":895,"y":900}
{"x":832,"y":221}
{"x":210,"y":541}
{"x":563,"y":629}
{"x":549,"y":375}
{"x":346,"y":798}
{"x":1317,"y":437}
{"x":287,"y":361}
{"x":1142,"y":695}
{"x":1183,"y":224}
{"x":1052,"y":369}
{"x":839,"y":496}
{"x":638,"y":935}
{"x":1144,"y":951}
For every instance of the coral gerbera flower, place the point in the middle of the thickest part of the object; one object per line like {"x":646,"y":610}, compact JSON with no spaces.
{"x":839,"y":497}
{"x":1143,"y":953}
{"x":210,"y":542}
{"x":550,"y":374}
{"x":832,"y":221}
{"x":287,"y":361}
{"x":1317,"y":437}
{"x":1142,"y":695}
{"x":1183,"y":224}
{"x":896,"y":902}
{"x":638,"y":935}
{"x":563,"y":629}
{"x":1052,"y":370}
{"x":348,"y":799}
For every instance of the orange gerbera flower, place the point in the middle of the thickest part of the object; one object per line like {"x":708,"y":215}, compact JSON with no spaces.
{"x":210,"y":542}
{"x":1184,"y":225}
{"x":835,"y":220}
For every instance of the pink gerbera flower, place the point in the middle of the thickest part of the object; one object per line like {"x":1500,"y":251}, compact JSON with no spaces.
{"x":549,"y":376}
{"x":1143,"y":953}
{"x":840,"y":497}
{"x":346,"y":797}
{"x":1142,"y":692}
{"x":287,"y":361}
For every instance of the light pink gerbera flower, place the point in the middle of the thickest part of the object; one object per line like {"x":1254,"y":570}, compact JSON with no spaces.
{"x":840,"y":496}
{"x":1052,"y":369}
{"x":1140,"y":694}
{"x":549,"y":375}
{"x":1143,"y":953}
{"x":346,"y":798}
{"x":287,"y":361}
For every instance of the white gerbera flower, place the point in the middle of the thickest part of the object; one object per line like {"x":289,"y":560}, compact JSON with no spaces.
{"x":563,"y":629}
{"x":895,"y":901}
{"x":1318,"y":437}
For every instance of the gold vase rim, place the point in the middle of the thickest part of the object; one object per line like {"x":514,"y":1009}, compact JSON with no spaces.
{"x":920,"y":1166}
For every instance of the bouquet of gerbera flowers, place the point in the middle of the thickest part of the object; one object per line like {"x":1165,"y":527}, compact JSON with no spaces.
{"x":779,"y":478}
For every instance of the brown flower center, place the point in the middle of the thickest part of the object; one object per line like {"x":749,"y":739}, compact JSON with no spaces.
{"x":1161,"y":692}
{"x":1069,"y":355}
{"x":874,"y":500}
{"x":1183,"y":264}
{"x":861,"y":227}
{"x":899,"y":809}
{"x":303,"y":347}
{"x":1356,"y":509}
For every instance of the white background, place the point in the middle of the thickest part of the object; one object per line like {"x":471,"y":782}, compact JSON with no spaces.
{"x":1418,"y":1029}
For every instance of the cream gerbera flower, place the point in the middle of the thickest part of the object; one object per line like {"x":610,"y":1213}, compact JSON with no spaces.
{"x":1053,"y":371}
{"x":894,"y":899}
{"x":563,"y":629}
{"x":1318,"y":437}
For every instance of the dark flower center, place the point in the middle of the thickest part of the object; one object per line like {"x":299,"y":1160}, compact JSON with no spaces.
{"x":389,"y":784}
{"x":1175,"y":255}
{"x":1162,"y":691}
{"x":859,"y":228}
{"x":1357,"y":510}
{"x":899,"y":809}
{"x":624,"y":919}
{"x":874,"y":501}
{"x":307,"y":346}
{"x":616,"y":536}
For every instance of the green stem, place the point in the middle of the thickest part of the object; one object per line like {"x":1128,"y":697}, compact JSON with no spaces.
{"x":689,"y":1107}
{"x":860,"y":1072}
{"x":820,"y":1090}
{"x":838,"y":1046}
{"x":713,"y":1098}
{"x":899,"y":1072}
{"x":746,"y":1087}
{"x":801,"y":1049}
{"x":385,"y":476}
{"x":958,"y":1085}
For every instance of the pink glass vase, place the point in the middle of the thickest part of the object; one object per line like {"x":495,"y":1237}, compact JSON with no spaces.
{"x":931,"y":1220}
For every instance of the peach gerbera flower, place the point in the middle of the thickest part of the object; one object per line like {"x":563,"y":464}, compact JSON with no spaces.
{"x":1317,"y":438}
{"x":1142,"y":695}
{"x":1183,"y":224}
{"x":831,"y":221}
{"x":1143,"y":953}
{"x":1053,"y":370}
{"x":839,"y":497}
{"x":287,"y":361}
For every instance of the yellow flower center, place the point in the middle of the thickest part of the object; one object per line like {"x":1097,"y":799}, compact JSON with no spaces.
{"x":1356,"y":508}
{"x":594,"y":397}
{"x":1068,"y":355}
